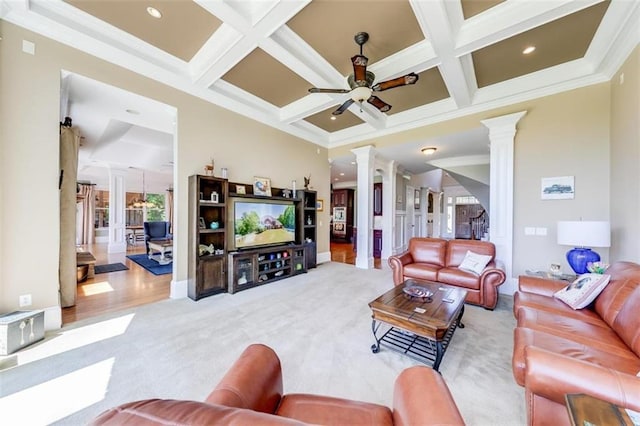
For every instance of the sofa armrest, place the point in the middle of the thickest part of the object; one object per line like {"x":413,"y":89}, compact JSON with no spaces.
{"x":421,"y":397}
{"x":542,"y":286}
{"x":552,"y":376}
{"x":254,"y":381}
{"x":396,"y":263}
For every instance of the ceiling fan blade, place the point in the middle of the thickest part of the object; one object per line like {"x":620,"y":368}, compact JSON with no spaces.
{"x":400,"y":81}
{"x":316,"y":90}
{"x":379,"y":103}
{"x":343,"y":107}
{"x":360,"y":67}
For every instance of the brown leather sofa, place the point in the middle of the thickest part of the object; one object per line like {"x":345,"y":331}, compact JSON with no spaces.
{"x":435,"y":259}
{"x":594,"y":351}
{"x":252,"y":393}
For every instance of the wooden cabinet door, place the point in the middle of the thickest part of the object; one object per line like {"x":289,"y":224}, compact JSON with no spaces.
{"x":210,"y":276}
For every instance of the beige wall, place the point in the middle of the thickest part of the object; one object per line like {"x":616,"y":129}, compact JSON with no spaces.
{"x":625,"y":160}
{"x":561,"y":135}
{"x":29,"y":109}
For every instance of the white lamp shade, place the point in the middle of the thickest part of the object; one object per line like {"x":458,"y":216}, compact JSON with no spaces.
{"x":584,"y":234}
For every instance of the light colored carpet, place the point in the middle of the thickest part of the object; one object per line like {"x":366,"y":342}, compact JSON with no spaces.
{"x":319,"y":323}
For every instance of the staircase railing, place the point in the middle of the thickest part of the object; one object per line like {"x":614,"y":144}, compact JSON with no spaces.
{"x":479,"y":225}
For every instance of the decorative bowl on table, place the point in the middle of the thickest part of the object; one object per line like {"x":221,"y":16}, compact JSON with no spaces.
{"x":417,"y":291}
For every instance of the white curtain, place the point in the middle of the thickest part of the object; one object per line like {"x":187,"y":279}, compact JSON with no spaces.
{"x":87,"y":195}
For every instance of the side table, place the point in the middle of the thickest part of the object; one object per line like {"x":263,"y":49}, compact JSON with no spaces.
{"x":550,"y":276}
{"x":588,"y":410}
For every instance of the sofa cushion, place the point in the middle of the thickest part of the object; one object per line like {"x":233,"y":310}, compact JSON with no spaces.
{"x":524,"y":337}
{"x":173,"y":412}
{"x":580,"y":293}
{"x":457,"y":250}
{"x":421,"y":271}
{"x":627,"y":323}
{"x":598,"y":335}
{"x":328,"y":410}
{"x":456,"y":277}
{"x":614,"y":296}
{"x":474,"y":262}
{"x":428,"y":250}
{"x":550,"y":304}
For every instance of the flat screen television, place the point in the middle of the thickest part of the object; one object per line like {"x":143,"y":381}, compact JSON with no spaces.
{"x":258,"y":223}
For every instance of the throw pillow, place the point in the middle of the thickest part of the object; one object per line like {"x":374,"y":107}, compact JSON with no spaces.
{"x":474,"y":262}
{"x":580,"y":293}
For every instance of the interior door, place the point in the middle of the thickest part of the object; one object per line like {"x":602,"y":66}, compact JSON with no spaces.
{"x":410,"y":215}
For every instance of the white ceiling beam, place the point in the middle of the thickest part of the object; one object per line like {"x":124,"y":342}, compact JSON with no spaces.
{"x":510,"y":18}
{"x":435,"y":23}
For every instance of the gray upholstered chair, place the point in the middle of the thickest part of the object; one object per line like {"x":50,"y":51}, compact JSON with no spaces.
{"x":156,"y":231}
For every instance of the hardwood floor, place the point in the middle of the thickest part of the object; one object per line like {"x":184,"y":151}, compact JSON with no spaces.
{"x":343,"y":253}
{"x":114,"y":291}
{"x":119,"y":290}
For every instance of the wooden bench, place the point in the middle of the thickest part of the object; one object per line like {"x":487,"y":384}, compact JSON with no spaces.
{"x":85,"y":258}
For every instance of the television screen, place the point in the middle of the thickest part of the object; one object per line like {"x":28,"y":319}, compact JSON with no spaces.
{"x":263,"y":223}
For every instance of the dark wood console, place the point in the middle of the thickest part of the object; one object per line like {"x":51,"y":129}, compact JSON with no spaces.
{"x":251,"y":268}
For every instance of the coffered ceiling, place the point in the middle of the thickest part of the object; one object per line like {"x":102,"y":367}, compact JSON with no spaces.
{"x":259,"y":58}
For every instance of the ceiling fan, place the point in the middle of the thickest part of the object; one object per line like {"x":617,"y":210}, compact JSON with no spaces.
{"x":361,"y":82}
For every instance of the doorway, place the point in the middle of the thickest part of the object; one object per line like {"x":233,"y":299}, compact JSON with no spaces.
{"x":134,"y":136}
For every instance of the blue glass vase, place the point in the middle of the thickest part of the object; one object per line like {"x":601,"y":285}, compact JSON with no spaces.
{"x":580,"y":257}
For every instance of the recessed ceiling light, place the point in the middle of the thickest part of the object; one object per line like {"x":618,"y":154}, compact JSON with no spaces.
{"x":133,"y":111}
{"x":333,"y":117}
{"x":528,"y":50}
{"x":154,"y":12}
{"x":429,"y":151}
{"x":336,"y":179}
{"x":353,"y":162}
{"x":341,"y":174}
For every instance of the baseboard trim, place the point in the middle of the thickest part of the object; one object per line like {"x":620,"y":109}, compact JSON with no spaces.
{"x":324,"y":257}
{"x":178,"y":289}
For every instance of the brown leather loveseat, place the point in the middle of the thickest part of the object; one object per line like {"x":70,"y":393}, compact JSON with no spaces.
{"x":251,"y":393}
{"x":435,"y":259}
{"x":593,"y":351}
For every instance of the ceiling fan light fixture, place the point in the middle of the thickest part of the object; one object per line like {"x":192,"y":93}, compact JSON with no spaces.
{"x":360,"y":94}
{"x":429,"y":151}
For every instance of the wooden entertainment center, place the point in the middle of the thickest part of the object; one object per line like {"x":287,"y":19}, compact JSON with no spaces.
{"x":215,"y":265}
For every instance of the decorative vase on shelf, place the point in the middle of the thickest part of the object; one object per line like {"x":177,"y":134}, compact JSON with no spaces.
{"x":309,"y":221}
{"x":242,"y":279}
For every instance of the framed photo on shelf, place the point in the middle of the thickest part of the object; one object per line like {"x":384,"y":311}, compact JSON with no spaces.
{"x":262,"y":186}
{"x":202,"y":223}
{"x":320,"y":205}
{"x":240,"y":189}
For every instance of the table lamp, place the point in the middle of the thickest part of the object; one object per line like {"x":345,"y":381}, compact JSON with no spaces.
{"x":582,"y":235}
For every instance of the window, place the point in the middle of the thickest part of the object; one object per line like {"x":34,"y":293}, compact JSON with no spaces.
{"x":102,"y":209}
{"x":467,"y":199}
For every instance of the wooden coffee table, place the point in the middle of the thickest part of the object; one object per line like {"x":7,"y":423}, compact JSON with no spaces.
{"x":420,"y":327}
{"x":164,"y":247}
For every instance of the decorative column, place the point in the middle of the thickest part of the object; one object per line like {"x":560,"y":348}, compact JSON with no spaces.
{"x":365,"y":157}
{"x":502,"y":131}
{"x":117,"y":219}
{"x":388,"y":210}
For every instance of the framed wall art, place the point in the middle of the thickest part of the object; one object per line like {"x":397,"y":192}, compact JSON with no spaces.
{"x":557,"y":188}
{"x":320,"y":205}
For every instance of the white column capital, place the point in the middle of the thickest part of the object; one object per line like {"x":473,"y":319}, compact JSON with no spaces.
{"x":503,"y":126}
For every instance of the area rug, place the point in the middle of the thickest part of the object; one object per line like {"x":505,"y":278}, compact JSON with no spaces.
{"x":111,"y":267}
{"x":151,"y":265}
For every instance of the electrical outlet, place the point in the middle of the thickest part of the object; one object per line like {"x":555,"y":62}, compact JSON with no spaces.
{"x":25,"y":300}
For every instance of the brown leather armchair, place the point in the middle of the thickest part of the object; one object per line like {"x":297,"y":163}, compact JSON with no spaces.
{"x":437,"y":260}
{"x":251,"y":393}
